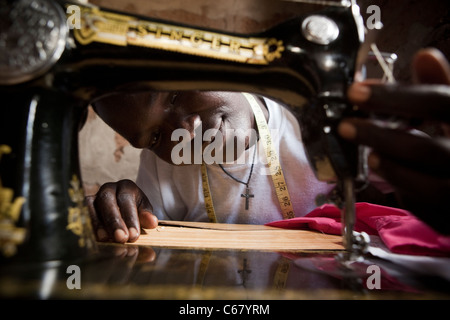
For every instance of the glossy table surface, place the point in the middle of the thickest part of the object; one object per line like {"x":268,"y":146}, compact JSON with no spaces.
{"x":117,"y":271}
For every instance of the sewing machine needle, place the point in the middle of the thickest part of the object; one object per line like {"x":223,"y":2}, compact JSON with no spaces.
{"x":349,"y":214}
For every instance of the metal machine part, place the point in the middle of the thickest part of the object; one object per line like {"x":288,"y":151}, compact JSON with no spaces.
{"x":320,"y":29}
{"x":32,"y":39}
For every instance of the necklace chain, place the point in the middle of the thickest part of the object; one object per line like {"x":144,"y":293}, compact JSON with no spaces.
{"x":274,"y":165}
{"x":250,"y":174}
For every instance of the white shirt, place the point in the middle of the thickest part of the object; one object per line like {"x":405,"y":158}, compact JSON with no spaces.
{"x":176,"y":192}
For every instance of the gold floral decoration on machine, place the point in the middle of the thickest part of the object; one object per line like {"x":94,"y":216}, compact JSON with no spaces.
{"x":10,"y":208}
{"x":78,"y":220}
{"x":122,"y":30}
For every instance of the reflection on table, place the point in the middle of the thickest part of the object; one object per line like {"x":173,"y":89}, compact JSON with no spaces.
{"x":142,"y":272}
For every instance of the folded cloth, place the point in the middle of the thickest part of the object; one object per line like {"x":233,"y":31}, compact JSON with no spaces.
{"x":400,"y":230}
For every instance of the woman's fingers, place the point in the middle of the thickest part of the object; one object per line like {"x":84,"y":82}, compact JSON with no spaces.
{"x":109,"y":213}
{"x":431,"y":102}
{"x":419,"y":152}
{"x":431,"y":67}
{"x":118,"y":210}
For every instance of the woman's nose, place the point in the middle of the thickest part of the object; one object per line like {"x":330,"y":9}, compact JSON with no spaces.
{"x":193,"y":124}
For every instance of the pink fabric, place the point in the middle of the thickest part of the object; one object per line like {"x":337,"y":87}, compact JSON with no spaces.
{"x":400,"y":231}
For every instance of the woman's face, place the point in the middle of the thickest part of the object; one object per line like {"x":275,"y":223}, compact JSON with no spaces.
{"x":147,"y":120}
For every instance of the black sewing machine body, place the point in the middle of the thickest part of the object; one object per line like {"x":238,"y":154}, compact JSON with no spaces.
{"x":52,"y":73}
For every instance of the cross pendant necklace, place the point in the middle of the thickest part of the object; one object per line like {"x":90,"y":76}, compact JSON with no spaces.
{"x":247,"y":195}
{"x":244,"y":272}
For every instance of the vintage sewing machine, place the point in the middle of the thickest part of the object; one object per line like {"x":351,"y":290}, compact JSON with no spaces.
{"x":57,"y":57}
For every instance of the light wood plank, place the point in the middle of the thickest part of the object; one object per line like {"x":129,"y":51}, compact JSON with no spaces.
{"x":216,"y":226}
{"x":197,"y":235}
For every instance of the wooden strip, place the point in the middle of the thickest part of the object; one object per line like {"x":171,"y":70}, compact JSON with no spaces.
{"x":237,"y":237}
{"x":215,"y":226}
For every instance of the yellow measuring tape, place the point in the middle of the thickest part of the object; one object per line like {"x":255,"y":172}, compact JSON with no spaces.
{"x":279,"y":183}
{"x":209,"y":205}
{"x":273,"y":162}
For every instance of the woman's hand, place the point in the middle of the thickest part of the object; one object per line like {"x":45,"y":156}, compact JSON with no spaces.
{"x":119,"y":210}
{"x":418,"y":166}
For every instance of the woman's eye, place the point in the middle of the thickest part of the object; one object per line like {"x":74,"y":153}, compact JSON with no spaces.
{"x":155,"y":138}
{"x":173,"y":98}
